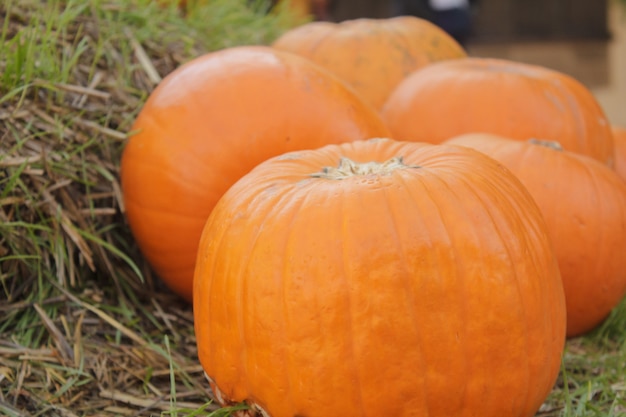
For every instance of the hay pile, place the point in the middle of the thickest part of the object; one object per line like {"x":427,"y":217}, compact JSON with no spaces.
{"x":85,"y":328}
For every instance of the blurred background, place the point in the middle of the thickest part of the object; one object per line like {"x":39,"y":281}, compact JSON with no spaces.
{"x":583,"y":38}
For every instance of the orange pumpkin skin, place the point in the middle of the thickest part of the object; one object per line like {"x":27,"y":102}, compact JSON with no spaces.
{"x":372,"y":55}
{"x":506,"y":98}
{"x":379,"y":294}
{"x":619,"y":142}
{"x":211,"y":121}
{"x":584,"y":204}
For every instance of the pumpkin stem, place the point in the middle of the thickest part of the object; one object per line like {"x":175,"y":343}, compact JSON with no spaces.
{"x":552,"y":144}
{"x":349,"y":168}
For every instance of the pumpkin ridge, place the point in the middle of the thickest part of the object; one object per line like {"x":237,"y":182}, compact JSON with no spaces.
{"x":243,"y":305}
{"x":516,"y":279}
{"x":464,"y":307}
{"x":523,"y":303}
{"x":503,"y":243}
{"x":206,"y":329}
{"x":443,"y":192}
{"x":479,"y":237}
{"x":290,"y":194}
{"x":412,"y":192}
{"x":302,"y":195}
{"x":286,"y":318}
{"x":345,"y":214}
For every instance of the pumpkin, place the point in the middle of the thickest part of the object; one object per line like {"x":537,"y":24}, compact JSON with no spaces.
{"x":584,"y":204}
{"x":379,"y":278}
{"x":502,"y":97}
{"x":371,"y":55}
{"x":619,"y":142}
{"x":208,"y":123}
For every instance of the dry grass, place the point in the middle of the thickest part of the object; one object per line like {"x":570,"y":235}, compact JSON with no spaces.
{"x":85,"y":328}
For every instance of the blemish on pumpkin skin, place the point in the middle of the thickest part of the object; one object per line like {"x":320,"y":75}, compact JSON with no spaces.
{"x":580,"y":222}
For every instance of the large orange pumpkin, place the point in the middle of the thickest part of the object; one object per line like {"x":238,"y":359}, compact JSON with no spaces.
{"x":507,"y":98}
{"x":584,"y":204}
{"x":372,"y":55}
{"x":379,"y":278}
{"x":211,"y":121}
{"x":619,"y":142}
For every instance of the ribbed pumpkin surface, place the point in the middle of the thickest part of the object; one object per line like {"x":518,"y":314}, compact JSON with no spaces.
{"x":429,"y":289}
{"x":584,"y":204}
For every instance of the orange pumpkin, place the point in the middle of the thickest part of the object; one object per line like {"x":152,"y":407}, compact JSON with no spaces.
{"x":375,"y":278}
{"x":507,"y":98}
{"x":619,"y":142}
{"x":372,"y":55}
{"x":211,"y":121}
{"x":584,"y":204}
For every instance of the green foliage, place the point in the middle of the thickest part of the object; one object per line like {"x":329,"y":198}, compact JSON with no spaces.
{"x":58,"y":33}
{"x":613,"y":329}
{"x":592,"y":381}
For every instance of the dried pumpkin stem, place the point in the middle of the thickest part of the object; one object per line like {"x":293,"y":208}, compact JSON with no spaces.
{"x":552,"y":144}
{"x":349,"y":168}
